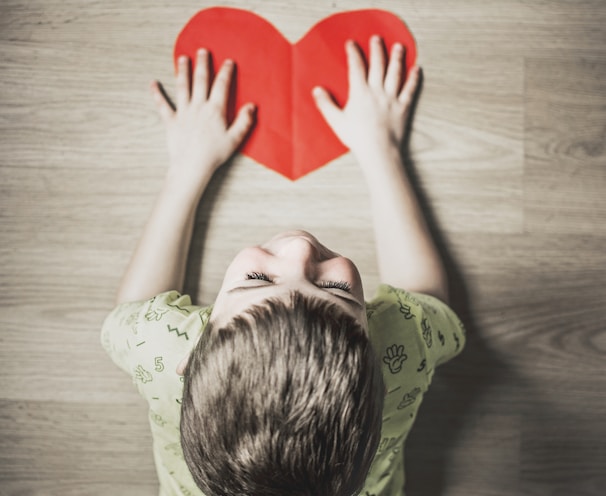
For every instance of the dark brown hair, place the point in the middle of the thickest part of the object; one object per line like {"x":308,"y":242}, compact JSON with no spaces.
{"x":286,"y":399}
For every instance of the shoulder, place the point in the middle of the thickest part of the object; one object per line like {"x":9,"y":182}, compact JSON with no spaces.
{"x":399,"y":307}
{"x":425,"y":324}
{"x":166,"y":325}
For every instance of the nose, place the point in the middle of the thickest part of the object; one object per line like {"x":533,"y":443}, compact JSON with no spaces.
{"x":301,"y":256}
{"x":299,"y":248}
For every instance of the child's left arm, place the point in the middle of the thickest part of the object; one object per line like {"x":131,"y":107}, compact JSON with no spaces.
{"x":199,"y":141}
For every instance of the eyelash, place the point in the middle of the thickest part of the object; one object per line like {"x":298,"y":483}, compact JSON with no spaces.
{"x":258,"y":275}
{"x":342,"y":285}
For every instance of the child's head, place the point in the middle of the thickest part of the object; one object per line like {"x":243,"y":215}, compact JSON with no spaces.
{"x":283,"y":394}
{"x":291,"y":261}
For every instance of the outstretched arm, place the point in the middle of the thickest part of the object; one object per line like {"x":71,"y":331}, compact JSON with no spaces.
{"x":373,"y":125}
{"x":199,"y":141}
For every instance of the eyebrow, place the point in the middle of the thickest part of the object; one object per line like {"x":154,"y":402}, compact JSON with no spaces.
{"x":242,"y":289}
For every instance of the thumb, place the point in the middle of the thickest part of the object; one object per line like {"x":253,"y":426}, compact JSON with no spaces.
{"x":241,"y":125}
{"x":327,"y":107}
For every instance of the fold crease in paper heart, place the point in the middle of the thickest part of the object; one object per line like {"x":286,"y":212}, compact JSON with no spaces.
{"x":290,"y":136}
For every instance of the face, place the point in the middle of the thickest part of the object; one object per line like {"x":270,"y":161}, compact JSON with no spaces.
{"x":291,"y":261}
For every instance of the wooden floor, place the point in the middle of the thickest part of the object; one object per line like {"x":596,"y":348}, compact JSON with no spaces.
{"x":509,"y":150}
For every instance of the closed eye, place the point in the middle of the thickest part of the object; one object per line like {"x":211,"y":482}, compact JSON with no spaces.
{"x":258,"y":276}
{"x":342,"y":285}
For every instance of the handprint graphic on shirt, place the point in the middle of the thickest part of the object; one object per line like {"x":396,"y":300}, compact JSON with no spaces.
{"x":395,"y":357}
{"x":155,"y":314}
{"x":406,"y":311}
{"x":143,"y":375}
{"x":427,"y":333}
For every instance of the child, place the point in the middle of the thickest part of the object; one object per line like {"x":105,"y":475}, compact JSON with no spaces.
{"x":292,"y":384}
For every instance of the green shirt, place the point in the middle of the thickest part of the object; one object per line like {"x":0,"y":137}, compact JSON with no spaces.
{"x":412,"y":334}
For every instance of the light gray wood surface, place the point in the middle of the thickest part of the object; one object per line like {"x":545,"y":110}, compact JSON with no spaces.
{"x":509,"y":151}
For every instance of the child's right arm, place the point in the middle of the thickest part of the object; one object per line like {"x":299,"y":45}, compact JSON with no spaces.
{"x":373,"y":125}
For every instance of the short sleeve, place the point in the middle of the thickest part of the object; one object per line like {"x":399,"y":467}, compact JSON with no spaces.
{"x":439,"y":333}
{"x":441,"y":329}
{"x":148,"y":339}
{"x":411,"y":334}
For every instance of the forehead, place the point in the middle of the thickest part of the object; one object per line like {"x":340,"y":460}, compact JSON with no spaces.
{"x":231,"y":303}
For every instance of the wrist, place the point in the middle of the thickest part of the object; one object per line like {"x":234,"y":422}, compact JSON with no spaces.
{"x":380,"y":160}
{"x":185,"y":188}
{"x":191,"y":179}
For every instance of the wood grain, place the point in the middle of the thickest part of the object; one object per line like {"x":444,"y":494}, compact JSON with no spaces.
{"x":508,"y":152}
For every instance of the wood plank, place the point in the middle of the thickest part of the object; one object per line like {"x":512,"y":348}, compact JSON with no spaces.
{"x":508,"y":150}
{"x":565,"y":144}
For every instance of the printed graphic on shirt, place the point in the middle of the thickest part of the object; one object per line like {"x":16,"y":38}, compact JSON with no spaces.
{"x":155,"y":314}
{"x":426,"y":333}
{"x":422,"y":365}
{"x":395,"y":357}
{"x":185,"y":491}
{"x":405,"y":310}
{"x":371,"y":308}
{"x":457,"y":341}
{"x":407,"y":296}
{"x":441,"y":337}
{"x":409,"y":398}
{"x":387,"y":443}
{"x":176,"y":330}
{"x":175,"y":449}
{"x":157,"y":419}
{"x":159,"y":365}
{"x":143,"y":375}
{"x":131,"y":321}
{"x":173,"y":305}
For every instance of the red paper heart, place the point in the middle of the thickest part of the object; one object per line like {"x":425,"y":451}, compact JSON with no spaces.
{"x":290,"y":135}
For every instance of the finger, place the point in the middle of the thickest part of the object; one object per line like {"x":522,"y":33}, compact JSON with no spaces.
{"x":219,"y":91}
{"x":410,"y":86}
{"x":183,"y":93}
{"x":376,"y":69}
{"x":356,"y":68}
{"x":241,"y":124}
{"x":201,"y":76}
{"x":163,"y":104}
{"x":327,"y":107}
{"x":393,"y":78}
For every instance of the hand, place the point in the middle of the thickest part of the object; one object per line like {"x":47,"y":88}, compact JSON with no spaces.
{"x":378,"y":104}
{"x":199,"y":137}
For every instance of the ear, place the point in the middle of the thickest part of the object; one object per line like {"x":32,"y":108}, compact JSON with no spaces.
{"x":182,"y":365}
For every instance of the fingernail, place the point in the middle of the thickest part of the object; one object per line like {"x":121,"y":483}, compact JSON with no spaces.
{"x":202,"y":51}
{"x":183,"y":59}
